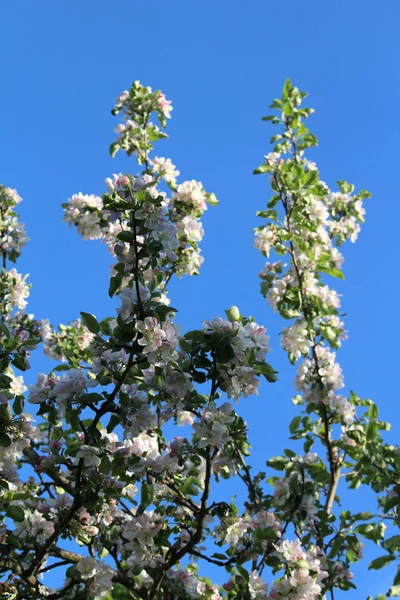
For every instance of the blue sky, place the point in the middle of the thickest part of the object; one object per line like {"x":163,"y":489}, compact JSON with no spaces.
{"x":221,"y":63}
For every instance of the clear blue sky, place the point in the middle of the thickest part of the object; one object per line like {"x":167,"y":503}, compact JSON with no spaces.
{"x":221,"y":62}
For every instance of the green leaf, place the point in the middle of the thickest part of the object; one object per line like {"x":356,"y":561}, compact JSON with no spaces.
{"x":336,"y":546}
{"x":345,"y":188}
{"x":333,"y":272}
{"x":146,"y":495}
{"x":382,"y":561}
{"x":71,"y":572}
{"x":5,"y":381}
{"x":4,"y":329}
{"x":15,"y":513}
{"x":287,"y":88}
{"x":93,"y":397}
{"x":243,"y":572}
{"x":19,"y":362}
{"x":363,"y":516}
{"x":91,"y":322}
{"x":268,"y":214}
{"x":115,"y":283}
{"x":264,"y":168}
{"x":114,"y":421}
{"x":62,"y":368}
{"x":126,"y":236}
{"x":278,"y":463}
{"x":294,"y":425}
{"x":273,"y":201}
{"x":269,"y":373}
{"x":392,"y":544}
{"x":287,"y":108}
{"x":5,"y":439}
{"x":18,"y":405}
{"x":195,"y":335}
{"x":224,"y":354}
{"x":114,"y":147}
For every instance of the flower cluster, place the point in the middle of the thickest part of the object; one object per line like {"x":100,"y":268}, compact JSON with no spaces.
{"x":304,"y":573}
{"x":242,"y":347}
{"x":108,"y":495}
{"x":137,"y":133}
{"x":69,"y":341}
{"x":12,"y":232}
{"x":314,"y":222}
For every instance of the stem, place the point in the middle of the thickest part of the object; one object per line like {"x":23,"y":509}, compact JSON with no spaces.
{"x":248,"y":479}
{"x":334,"y":467}
{"x":177,"y":554}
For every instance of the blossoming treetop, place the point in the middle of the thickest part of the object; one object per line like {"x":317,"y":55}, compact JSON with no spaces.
{"x":95,"y":488}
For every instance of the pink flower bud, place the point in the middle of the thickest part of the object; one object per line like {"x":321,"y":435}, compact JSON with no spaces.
{"x":124,"y":180}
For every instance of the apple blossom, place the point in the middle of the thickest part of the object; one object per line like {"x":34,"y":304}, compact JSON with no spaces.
{"x":98,"y":487}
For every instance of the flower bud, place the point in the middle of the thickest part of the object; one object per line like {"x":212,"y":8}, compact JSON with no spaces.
{"x":233,"y":314}
{"x":124,"y":180}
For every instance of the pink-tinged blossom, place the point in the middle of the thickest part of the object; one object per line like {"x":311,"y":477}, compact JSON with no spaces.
{"x":257,"y":587}
{"x":272,"y":158}
{"x":266,"y":519}
{"x":191,"y":229}
{"x":191,"y":193}
{"x":265,"y":239}
{"x":241,"y":381}
{"x":87,"y":567}
{"x":17,"y":386}
{"x":12,"y":235}
{"x":239,"y":378}
{"x":296,"y":339}
{"x":138,"y":535}
{"x":189,"y":262}
{"x":303,"y":575}
{"x":281,"y":491}
{"x":342,"y":406}
{"x":72,"y":383}
{"x":84,"y":211}
{"x":327,"y":371}
{"x":17,"y":291}
{"x":143,"y":445}
{"x":42,"y":389}
{"x":213,"y":427}
{"x":346,"y":228}
{"x":90,"y":456}
{"x":235,"y":532}
{"x":165,"y":169}
{"x":250,"y":336}
{"x":36,"y":526}
{"x":100,"y":574}
{"x":129,"y":300}
{"x":185,"y":417}
{"x":164,"y":105}
{"x":158,"y":340}
{"x":277,"y":291}
{"x":117,"y":181}
{"x":123,"y":97}
{"x":316,"y":210}
{"x":113,"y":361}
{"x":13,"y":194}
{"x":102,"y":583}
